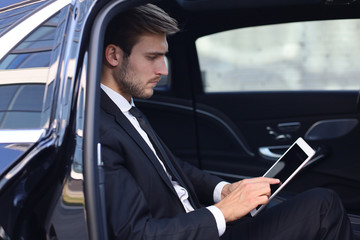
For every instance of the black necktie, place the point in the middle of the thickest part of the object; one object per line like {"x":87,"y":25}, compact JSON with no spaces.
{"x":149,"y":131}
{"x":159,"y":149}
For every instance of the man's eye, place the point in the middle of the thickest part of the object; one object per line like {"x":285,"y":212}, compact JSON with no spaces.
{"x":151,"y":57}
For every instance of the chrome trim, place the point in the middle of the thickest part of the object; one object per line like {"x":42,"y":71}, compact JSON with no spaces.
{"x":209,"y":115}
{"x":266,"y":152}
{"x":99,"y":161}
{"x":21,"y":136}
{"x":15,"y":35}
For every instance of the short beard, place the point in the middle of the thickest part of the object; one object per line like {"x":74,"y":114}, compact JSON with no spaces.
{"x":125,"y":80}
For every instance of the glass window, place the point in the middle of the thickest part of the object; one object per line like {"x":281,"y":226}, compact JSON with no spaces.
{"x":23,"y":75}
{"x":318,"y":55}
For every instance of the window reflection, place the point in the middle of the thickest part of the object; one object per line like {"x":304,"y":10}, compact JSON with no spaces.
{"x":11,"y":14}
{"x":24,"y":72}
{"x":17,"y":111}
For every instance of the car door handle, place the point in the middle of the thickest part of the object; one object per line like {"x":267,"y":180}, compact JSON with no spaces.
{"x":277,"y":136}
{"x":289,"y":127}
{"x":285,"y":129}
{"x":272,"y":152}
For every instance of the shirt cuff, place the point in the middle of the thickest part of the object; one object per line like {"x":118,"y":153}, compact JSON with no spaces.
{"x":218,"y":190}
{"x":219,"y":218}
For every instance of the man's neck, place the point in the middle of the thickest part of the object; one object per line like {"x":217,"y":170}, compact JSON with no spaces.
{"x":116,"y":89}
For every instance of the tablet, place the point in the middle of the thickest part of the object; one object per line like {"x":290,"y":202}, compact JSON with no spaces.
{"x":286,"y":167}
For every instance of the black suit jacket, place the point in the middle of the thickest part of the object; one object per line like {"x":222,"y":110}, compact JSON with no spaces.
{"x":140,"y":199}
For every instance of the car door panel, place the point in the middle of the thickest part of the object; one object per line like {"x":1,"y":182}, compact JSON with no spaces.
{"x":327,"y":120}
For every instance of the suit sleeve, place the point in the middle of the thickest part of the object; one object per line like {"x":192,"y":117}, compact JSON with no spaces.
{"x":128,"y":214}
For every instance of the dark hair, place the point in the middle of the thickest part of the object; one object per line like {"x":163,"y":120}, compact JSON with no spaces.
{"x":125,"y":29}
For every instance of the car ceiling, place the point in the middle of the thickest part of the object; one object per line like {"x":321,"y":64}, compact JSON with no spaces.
{"x":203,"y":17}
{"x":231,"y":4}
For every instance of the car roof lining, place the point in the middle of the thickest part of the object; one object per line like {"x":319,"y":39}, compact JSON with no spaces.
{"x":201,"y":22}
{"x":194,"y":5}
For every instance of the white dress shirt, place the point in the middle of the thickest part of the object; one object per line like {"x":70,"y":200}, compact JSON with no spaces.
{"x":182,"y":193}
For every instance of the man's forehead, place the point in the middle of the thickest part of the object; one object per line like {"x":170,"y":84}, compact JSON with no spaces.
{"x":152,"y":43}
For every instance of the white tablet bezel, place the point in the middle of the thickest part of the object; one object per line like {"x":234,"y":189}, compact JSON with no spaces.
{"x":307,"y":150}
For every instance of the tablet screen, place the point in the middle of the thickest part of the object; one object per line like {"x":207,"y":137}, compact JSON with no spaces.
{"x":287,"y":165}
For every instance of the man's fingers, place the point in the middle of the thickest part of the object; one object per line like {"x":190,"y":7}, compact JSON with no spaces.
{"x":261,"y":189}
{"x":263,"y":200}
{"x":270,"y":180}
{"x":263,"y":179}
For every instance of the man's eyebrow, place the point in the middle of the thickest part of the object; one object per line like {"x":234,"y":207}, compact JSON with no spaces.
{"x":157,"y":53}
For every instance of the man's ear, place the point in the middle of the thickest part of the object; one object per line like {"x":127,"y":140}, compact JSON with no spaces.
{"x":113,"y":55}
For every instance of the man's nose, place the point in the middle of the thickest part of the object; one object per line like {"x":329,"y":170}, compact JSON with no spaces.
{"x":162,"y":68}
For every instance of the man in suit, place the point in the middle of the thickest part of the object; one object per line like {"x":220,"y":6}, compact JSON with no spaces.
{"x":152,"y":195}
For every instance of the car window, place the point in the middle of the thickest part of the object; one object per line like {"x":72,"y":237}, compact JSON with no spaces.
{"x":24,"y":72}
{"x":316,"y":55}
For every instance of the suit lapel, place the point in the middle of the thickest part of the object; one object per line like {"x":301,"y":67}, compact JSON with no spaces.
{"x":110,"y":107}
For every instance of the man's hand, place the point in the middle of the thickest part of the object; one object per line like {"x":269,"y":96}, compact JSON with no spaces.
{"x":239,"y":198}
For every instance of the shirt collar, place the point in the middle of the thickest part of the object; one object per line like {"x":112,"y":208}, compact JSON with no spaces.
{"x":118,"y":99}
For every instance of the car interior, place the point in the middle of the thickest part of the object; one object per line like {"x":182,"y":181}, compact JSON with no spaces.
{"x":237,"y":124}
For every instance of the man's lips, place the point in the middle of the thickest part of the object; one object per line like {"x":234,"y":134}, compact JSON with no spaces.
{"x":154,"y":81}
